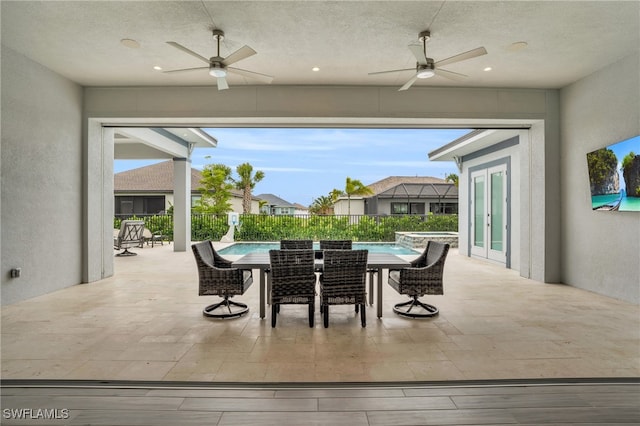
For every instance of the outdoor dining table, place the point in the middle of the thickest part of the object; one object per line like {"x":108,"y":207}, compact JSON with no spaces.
{"x":375,"y":262}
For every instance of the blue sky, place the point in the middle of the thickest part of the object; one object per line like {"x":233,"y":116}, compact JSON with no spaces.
{"x":303,"y":164}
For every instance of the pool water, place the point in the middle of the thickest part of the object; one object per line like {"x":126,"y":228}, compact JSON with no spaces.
{"x":245,"y":248}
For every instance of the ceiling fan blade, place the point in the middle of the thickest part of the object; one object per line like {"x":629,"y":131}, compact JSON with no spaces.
{"x":418,"y":52}
{"x":409,"y":83}
{"x":222,"y":83}
{"x":186,"y":69}
{"x":189,"y":51}
{"x":462,"y":56}
{"x":256,"y":75}
{"x":390,"y":71}
{"x":450,"y":74}
{"x":243,"y":52}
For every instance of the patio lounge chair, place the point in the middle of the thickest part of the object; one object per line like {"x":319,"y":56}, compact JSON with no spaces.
{"x":130,"y":235}
{"x":424,"y":276}
{"x":218,"y":278}
{"x":293,"y":281}
{"x":342,"y":281}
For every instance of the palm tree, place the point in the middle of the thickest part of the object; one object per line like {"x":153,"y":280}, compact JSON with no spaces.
{"x":321,"y":205}
{"x":452,"y":178}
{"x":261,"y":204}
{"x":335,"y":194}
{"x":355,"y":187}
{"x":246,"y":182}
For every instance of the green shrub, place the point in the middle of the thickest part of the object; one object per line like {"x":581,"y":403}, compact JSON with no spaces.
{"x":256,"y":227}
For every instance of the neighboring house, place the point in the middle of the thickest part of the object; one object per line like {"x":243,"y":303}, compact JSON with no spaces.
{"x":149,"y":190}
{"x":404,"y":195}
{"x":344,"y":205}
{"x":276,"y":206}
{"x":300,"y":209}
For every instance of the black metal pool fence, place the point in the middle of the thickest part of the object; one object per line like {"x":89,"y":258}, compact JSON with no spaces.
{"x":258,"y":227}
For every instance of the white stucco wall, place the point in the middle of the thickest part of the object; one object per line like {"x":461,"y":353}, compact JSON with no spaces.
{"x":342,"y":206}
{"x":600,"y":250}
{"x":41,"y":179}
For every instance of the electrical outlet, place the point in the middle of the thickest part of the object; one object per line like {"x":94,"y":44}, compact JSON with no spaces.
{"x":15,"y":272}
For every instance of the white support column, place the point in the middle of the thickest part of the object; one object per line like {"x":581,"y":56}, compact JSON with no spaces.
{"x":181,"y":204}
{"x":97,"y":244}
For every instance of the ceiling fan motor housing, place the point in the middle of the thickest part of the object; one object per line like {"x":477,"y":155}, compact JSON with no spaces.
{"x":426,"y":70}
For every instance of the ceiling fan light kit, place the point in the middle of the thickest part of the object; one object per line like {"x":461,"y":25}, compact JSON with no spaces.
{"x":427,"y":67}
{"x":217,"y":72}
{"x":426,"y":73}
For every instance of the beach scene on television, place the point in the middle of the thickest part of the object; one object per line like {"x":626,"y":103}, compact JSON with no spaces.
{"x":614,"y":176}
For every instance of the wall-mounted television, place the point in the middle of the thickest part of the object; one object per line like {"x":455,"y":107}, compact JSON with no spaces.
{"x":614,"y":176}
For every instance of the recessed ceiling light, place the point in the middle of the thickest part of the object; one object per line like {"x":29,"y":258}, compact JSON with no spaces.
{"x":157,"y":68}
{"x":518,"y":45}
{"x":488,"y":69}
{"x":129,"y":42}
{"x":315,"y":69}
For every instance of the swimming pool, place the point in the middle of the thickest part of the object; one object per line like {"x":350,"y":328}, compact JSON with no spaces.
{"x":244,"y":248}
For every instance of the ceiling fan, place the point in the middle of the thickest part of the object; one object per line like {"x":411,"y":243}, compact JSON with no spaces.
{"x":427,"y":68}
{"x":218,"y":66}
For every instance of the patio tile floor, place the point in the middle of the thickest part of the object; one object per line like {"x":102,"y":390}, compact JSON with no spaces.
{"x":146,"y":323}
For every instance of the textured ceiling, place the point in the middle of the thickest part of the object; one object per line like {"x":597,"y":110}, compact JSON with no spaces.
{"x":345,"y":39}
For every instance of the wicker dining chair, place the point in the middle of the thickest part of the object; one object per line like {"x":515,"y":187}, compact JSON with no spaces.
{"x":336,"y":245}
{"x":333,"y":245}
{"x":293,"y":281}
{"x":296,"y":244}
{"x":343,"y":281}
{"x":423,"y":276}
{"x":288,"y":245}
{"x":218,"y":278}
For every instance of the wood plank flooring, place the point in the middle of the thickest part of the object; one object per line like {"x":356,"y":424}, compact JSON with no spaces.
{"x":535,"y":402}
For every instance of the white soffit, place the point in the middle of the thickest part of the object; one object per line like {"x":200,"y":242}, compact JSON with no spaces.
{"x":471,"y":142}
{"x":154,"y":142}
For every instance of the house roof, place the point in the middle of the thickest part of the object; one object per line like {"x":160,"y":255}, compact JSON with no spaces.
{"x":421,"y":190}
{"x":155,"y":178}
{"x":393,"y":181}
{"x":274,"y":200}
